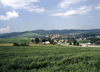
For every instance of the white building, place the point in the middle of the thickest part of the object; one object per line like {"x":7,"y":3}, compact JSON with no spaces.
{"x":47,"y":42}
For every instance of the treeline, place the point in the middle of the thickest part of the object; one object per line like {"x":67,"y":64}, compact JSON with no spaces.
{"x":37,"y":40}
{"x":20,"y":44}
{"x":94,"y":40}
{"x":74,"y":42}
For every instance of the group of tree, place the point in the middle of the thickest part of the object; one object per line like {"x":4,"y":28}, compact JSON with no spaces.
{"x":94,"y":40}
{"x":74,"y":42}
{"x":20,"y":44}
{"x":42,"y":40}
{"x":50,"y":40}
{"x":35,"y":41}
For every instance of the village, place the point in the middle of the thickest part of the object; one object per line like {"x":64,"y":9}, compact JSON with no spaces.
{"x":65,"y":40}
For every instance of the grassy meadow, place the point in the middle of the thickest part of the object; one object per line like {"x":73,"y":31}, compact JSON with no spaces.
{"x":49,"y":59}
{"x":14,"y":40}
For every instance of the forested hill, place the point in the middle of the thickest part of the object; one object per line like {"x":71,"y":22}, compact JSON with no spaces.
{"x":42,"y":33}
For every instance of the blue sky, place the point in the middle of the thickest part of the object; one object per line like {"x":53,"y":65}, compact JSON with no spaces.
{"x":23,"y":15}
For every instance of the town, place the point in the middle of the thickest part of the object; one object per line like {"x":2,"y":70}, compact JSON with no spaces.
{"x":65,"y":40}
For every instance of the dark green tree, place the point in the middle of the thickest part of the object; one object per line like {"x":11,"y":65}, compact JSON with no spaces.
{"x":43,"y":40}
{"x":49,"y":39}
{"x":52,"y":41}
{"x":32,"y":40}
{"x":74,"y":42}
{"x":77,"y":44}
{"x":70,"y":43}
{"x":36,"y":40}
{"x":98,"y":42}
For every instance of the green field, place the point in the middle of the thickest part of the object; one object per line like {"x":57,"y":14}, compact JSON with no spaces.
{"x":49,"y":59}
{"x":83,"y":41}
{"x":14,"y":40}
{"x":28,"y":35}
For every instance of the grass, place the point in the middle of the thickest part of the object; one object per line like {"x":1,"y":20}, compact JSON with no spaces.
{"x":6,"y":44}
{"x":83,"y":41}
{"x":49,"y":59}
{"x":11,"y":44}
{"x":14,"y":40}
{"x":41,"y":45}
{"x":26,"y":35}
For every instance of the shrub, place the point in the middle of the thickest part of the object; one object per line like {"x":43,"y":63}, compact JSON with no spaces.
{"x":54,"y":43}
{"x":16,"y":44}
{"x":70,"y":43}
{"x":21,"y":44}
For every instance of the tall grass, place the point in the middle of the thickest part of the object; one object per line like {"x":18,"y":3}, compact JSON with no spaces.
{"x":49,"y":59}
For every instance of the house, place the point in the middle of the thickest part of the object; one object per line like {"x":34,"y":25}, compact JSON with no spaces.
{"x":85,"y":44}
{"x":66,"y":40}
{"x":47,"y":42}
{"x":55,"y":41}
{"x":88,"y":43}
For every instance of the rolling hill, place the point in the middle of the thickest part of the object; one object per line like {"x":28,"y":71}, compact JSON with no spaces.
{"x":42,"y":33}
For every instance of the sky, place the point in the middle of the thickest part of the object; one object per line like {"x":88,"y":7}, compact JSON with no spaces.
{"x":28,"y":15}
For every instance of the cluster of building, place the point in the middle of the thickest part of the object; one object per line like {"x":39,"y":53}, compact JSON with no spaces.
{"x":59,"y":36}
{"x":40,"y":41}
{"x":60,"y":39}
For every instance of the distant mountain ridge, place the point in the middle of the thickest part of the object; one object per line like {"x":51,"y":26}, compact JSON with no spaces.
{"x":42,"y":33}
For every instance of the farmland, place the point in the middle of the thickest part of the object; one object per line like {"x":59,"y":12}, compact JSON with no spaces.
{"x":14,"y":40}
{"x":49,"y":59}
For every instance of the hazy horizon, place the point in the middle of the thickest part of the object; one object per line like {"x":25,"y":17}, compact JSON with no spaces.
{"x":50,"y":30}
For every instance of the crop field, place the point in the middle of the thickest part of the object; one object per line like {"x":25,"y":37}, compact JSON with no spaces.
{"x":49,"y":59}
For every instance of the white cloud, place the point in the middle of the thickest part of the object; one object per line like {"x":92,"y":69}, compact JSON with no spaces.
{"x":3,"y":30}
{"x":80,"y":11}
{"x":23,"y":4}
{"x":3,"y":17}
{"x":17,"y":3}
{"x":66,"y":3}
{"x":33,"y":8}
{"x":9,"y":15}
{"x":98,"y":7}
{"x":12,"y":14}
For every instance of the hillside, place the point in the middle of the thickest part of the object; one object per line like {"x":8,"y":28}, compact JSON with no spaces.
{"x":42,"y":33}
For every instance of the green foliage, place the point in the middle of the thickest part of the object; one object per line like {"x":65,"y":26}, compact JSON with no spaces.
{"x":70,"y":43}
{"x":49,"y":39}
{"x":52,"y":41}
{"x":37,"y":40}
{"x":77,"y":44}
{"x":26,"y":34}
{"x":41,"y":33}
{"x":20,"y":44}
{"x":83,"y":41}
{"x":49,"y":59}
{"x":43,"y":40}
{"x":98,"y":42}
{"x":95,"y":40}
{"x":32,"y":40}
{"x":74,"y":42}
{"x":16,"y":44}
